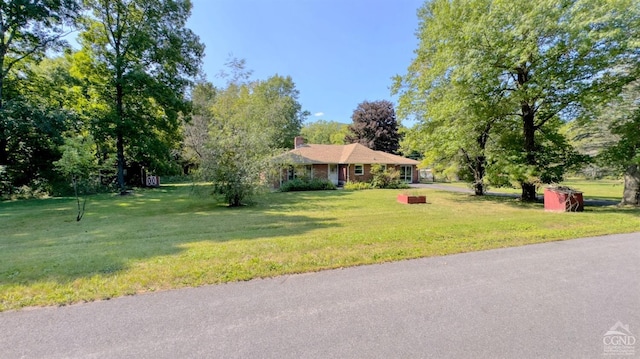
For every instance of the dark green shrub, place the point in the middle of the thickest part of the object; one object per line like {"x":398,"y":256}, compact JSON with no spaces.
{"x":305,"y":184}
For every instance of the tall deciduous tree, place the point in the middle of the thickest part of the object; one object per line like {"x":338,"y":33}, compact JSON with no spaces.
{"x":139,"y":59}
{"x":248,"y":122}
{"x":375,"y":126}
{"x":623,"y":153}
{"x":325,"y":132}
{"x":277,"y":108}
{"x":28,"y":29}
{"x":460,"y":129}
{"x":196,"y":128}
{"x":547,"y":57}
{"x":36,"y":117}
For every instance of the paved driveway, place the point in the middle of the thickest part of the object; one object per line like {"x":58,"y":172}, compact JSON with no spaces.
{"x":553,"y":300}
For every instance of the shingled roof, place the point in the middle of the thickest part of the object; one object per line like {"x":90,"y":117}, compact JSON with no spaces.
{"x":343,"y":154}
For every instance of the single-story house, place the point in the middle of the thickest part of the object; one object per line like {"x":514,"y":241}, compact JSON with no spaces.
{"x":342,"y":163}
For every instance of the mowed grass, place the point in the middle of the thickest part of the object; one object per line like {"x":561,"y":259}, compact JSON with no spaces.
{"x":600,"y":189}
{"x":605,"y":189}
{"x":176,"y":237}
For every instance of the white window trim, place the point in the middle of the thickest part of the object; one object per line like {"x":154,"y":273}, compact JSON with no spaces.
{"x":403,"y":176}
{"x":355,"y":169}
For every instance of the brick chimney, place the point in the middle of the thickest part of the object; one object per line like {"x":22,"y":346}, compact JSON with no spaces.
{"x":298,"y":141}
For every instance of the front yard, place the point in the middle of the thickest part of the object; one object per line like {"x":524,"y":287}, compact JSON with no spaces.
{"x":174,"y":237}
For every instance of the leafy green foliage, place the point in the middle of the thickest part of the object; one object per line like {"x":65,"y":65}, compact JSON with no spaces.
{"x":34,"y":133}
{"x":307,"y":184}
{"x":78,"y":161}
{"x":235,"y":160}
{"x":386,"y":177}
{"x":80,"y":164}
{"x":555,"y":157}
{"x":248,"y":123}
{"x":375,"y":126}
{"x":517,"y":62}
{"x":357,"y":186}
{"x":5,"y":182}
{"x":28,"y":30}
{"x":624,"y":155}
{"x":78,"y":158}
{"x":590,"y":138}
{"x":278,"y":110}
{"x":32,"y":114}
{"x":325,"y":132}
{"x":138,"y":59}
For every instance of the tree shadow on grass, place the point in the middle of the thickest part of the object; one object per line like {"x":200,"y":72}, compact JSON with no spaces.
{"x":43,"y":243}
{"x":590,"y":205}
{"x":508,"y":199}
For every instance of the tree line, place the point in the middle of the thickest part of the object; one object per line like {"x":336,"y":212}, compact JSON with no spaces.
{"x":509,"y":93}
{"x":130,"y":100}
{"x":494,"y":85}
{"x":121,"y":96}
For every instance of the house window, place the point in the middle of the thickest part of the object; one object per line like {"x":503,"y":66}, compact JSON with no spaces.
{"x":302,"y":171}
{"x":359,"y":170}
{"x":308,"y":171}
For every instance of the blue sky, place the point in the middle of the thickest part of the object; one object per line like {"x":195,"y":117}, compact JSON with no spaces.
{"x":338,"y":52}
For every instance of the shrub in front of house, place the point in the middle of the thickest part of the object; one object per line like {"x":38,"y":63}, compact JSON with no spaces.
{"x":357,"y":186}
{"x":386,"y":178}
{"x":303,"y":184}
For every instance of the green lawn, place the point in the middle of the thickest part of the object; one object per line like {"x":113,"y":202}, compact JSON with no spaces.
{"x":174,"y":237}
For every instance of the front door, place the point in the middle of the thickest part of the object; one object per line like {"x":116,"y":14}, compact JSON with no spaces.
{"x":333,"y":174}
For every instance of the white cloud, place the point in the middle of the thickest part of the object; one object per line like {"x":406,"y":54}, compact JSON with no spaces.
{"x":318,"y":114}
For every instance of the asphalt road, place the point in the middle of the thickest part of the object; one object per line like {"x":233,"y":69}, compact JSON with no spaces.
{"x":553,"y":300}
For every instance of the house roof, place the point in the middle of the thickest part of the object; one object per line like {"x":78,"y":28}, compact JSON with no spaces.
{"x":343,"y":154}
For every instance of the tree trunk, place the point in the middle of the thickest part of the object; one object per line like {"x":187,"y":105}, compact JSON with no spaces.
{"x":631,"y":194}
{"x":478,"y":188}
{"x":480,"y":165}
{"x":478,"y":173}
{"x":120,"y":137}
{"x":120,"y":160}
{"x":528,"y":191}
{"x":529,"y":131}
{"x":4,"y":141}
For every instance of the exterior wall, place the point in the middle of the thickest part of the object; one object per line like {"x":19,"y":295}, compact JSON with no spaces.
{"x":346,"y":173}
{"x":359,"y":178}
{"x":368,"y":177}
{"x":321,"y":171}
